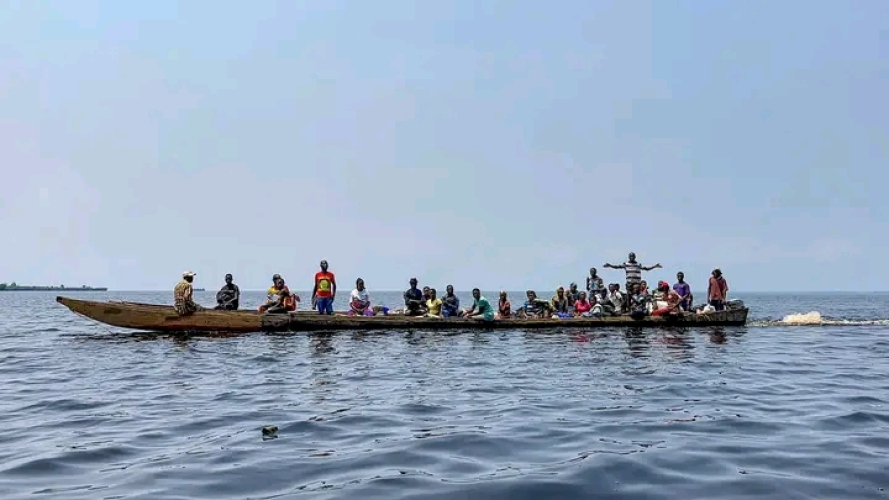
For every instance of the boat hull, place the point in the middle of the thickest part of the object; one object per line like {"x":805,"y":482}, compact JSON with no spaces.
{"x":159,"y":318}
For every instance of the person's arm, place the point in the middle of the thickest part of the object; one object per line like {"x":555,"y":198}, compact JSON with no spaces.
{"x":315,"y":289}
{"x":333,"y":285}
{"x":471,"y":310}
{"x":710,"y":287}
{"x":612,"y":266}
{"x":650,"y":268}
{"x":237,"y":294}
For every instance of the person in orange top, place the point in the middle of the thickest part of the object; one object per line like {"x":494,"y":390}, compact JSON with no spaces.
{"x":504,"y":308}
{"x":717,"y":290}
{"x":324,"y":292}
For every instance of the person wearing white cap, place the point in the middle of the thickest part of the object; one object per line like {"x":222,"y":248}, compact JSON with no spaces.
{"x":183,"y":295}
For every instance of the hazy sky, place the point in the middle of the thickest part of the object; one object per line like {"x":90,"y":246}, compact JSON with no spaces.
{"x":498,"y":144}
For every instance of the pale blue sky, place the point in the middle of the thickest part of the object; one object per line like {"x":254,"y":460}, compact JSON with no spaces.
{"x":497,"y":144}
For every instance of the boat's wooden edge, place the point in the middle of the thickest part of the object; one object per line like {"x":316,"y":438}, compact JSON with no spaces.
{"x":163,"y":318}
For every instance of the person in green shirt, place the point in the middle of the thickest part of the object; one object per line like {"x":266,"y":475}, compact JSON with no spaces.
{"x":481,"y":309}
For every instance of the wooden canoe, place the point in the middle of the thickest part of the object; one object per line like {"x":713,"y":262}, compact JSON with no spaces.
{"x":158,"y":318}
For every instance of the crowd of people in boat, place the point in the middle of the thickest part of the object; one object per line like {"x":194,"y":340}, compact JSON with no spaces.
{"x":637,"y":299}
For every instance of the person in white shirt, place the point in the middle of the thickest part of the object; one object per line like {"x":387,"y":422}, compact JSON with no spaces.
{"x":359,"y":300}
{"x":616,"y":299}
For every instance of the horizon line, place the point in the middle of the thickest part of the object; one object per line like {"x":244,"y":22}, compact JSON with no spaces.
{"x":456,"y":290}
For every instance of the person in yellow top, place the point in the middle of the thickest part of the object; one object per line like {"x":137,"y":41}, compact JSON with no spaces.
{"x":433,"y":304}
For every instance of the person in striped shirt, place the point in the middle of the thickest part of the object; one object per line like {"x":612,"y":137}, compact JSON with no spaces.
{"x":633,"y":269}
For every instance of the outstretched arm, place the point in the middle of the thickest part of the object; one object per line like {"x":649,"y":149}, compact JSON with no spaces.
{"x":612,"y":266}
{"x":650,"y":268}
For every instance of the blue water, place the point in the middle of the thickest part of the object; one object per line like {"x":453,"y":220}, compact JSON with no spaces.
{"x":767,"y":411}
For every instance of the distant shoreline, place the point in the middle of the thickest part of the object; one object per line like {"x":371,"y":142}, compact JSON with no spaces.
{"x":27,"y":288}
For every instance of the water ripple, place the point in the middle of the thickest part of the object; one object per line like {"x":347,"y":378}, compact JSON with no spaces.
{"x":799,"y":412}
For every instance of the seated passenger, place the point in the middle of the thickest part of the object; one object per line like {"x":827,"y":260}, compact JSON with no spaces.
{"x":504,"y":308}
{"x":359,"y":300}
{"x":450,"y":304}
{"x":534,"y":307}
{"x":638,"y":306}
{"x":271,"y":296}
{"x":598,"y":310}
{"x":433,"y":304}
{"x":559,"y":303}
{"x":614,"y":303}
{"x":672,"y":298}
{"x":481,"y":309}
{"x":573,"y":294}
{"x":183,"y":295}
{"x":582,"y":305}
{"x":228,"y":297}
{"x":284,"y":302}
{"x":414,"y":304}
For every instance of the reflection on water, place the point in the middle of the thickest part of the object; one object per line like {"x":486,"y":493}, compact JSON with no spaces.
{"x":614,"y":413}
{"x":637,"y":342}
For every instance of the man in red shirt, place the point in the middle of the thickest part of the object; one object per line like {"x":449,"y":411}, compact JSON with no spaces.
{"x":324,"y":292}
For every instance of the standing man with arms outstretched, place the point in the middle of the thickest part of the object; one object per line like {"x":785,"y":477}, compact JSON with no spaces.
{"x":634,"y":270}
{"x":324,"y":292}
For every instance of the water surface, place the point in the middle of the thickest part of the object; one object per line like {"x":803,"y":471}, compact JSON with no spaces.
{"x":764,"y":411}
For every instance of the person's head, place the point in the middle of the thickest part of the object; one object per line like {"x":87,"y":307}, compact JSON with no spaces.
{"x":531,"y":294}
{"x":324,"y":266}
{"x":582,"y":296}
{"x":279,"y":283}
{"x":593,"y":271}
{"x":573,"y":287}
{"x":613,"y":287}
{"x":432,"y":293}
{"x":228,"y":279}
{"x":560,"y":291}
{"x":426,"y":291}
{"x":188,"y":276}
{"x":413,"y":283}
{"x":632,"y":257}
{"x":275,"y":278}
{"x":680,"y":276}
{"x":717,"y":273}
{"x":502,"y":294}
{"x":476,"y":293}
{"x":635,"y":287}
{"x":643,"y":285}
{"x":663,"y":286}
{"x":359,"y":284}
{"x":449,"y":289}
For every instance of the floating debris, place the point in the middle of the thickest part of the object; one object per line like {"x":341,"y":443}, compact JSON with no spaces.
{"x":269,"y":432}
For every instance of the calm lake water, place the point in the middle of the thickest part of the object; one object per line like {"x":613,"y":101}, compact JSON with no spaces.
{"x":767,"y":411}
